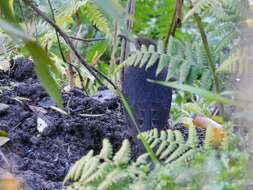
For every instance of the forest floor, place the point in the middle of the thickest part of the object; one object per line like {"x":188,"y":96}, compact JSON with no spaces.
{"x":41,"y":158}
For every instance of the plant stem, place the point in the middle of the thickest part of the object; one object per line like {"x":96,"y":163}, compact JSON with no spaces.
{"x":70,"y":66}
{"x":211,"y":63}
{"x":208,"y":53}
{"x":129,"y":26}
{"x":175,"y":22}
{"x":171,"y":28}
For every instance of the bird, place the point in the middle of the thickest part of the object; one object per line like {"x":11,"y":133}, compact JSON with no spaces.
{"x":149,"y":102}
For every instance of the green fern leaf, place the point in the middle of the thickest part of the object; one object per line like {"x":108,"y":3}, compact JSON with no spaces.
{"x":97,"y":18}
{"x":184,"y":71}
{"x":106,"y":152}
{"x":164,"y":59}
{"x":100,"y":174}
{"x":113,"y":178}
{"x":206,"y":80}
{"x":154,"y":57}
{"x":123,"y":155}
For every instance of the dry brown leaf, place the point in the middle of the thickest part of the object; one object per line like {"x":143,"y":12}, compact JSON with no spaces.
{"x":217,"y":129}
{"x":9,"y":182}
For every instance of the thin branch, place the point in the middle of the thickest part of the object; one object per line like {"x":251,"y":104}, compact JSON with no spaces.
{"x":92,"y":70}
{"x":175,"y":22}
{"x":61,"y":51}
{"x":86,"y":40}
{"x":211,"y":63}
{"x":208,"y":52}
{"x":129,"y":25}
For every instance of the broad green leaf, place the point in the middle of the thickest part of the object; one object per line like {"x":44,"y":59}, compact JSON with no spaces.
{"x":6,"y":7}
{"x":3,"y":133}
{"x":204,"y":93}
{"x":98,"y":49}
{"x":41,"y":61}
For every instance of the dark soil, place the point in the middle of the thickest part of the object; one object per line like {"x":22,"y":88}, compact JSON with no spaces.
{"x":42,"y":159}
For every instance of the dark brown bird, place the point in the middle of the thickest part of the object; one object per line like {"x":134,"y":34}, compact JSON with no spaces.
{"x":150,"y":102}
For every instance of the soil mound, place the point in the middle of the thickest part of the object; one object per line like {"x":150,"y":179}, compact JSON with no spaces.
{"x":42,"y":158}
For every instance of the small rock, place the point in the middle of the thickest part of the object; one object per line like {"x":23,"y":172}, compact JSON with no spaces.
{"x":46,"y":102}
{"x":34,"y":140}
{"x":3,"y":108}
{"x":104,"y":95}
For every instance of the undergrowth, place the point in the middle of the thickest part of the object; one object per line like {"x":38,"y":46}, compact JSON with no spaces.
{"x":178,"y":162}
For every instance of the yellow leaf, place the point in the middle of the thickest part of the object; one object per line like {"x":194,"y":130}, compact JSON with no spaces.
{"x":187,"y":122}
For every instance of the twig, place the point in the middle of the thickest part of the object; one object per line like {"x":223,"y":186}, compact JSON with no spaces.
{"x":61,"y":51}
{"x":129,"y":25}
{"x":211,"y":63}
{"x":92,"y":70}
{"x":91,"y":115}
{"x":86,"y":40}
{"x":125,"y":43}
{"x":175,"y":21}
{"x":208,"y":52}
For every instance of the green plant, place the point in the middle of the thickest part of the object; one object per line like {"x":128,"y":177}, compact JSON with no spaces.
{"x":105,"y":171}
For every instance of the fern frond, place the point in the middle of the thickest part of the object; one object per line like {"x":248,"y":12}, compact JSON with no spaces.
{"x":206,"y":79}
{"x":76,"y":170}
{"x":240,"y":62}
{"x":147,"y":57}
{"x":106,"y":152}
{"x":193,"y":139}
{"x":200,"y":5}
{"x":170,"y":144}
{"x":89,"y":168}
{"x":100,"y":174}
{"x":96,"y":17}
{"x":184,"y":71}
{"x":124,"y":154}
{"x":105,"y":172}
{"x":65,"y":10}
{"x":113,"y":178}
